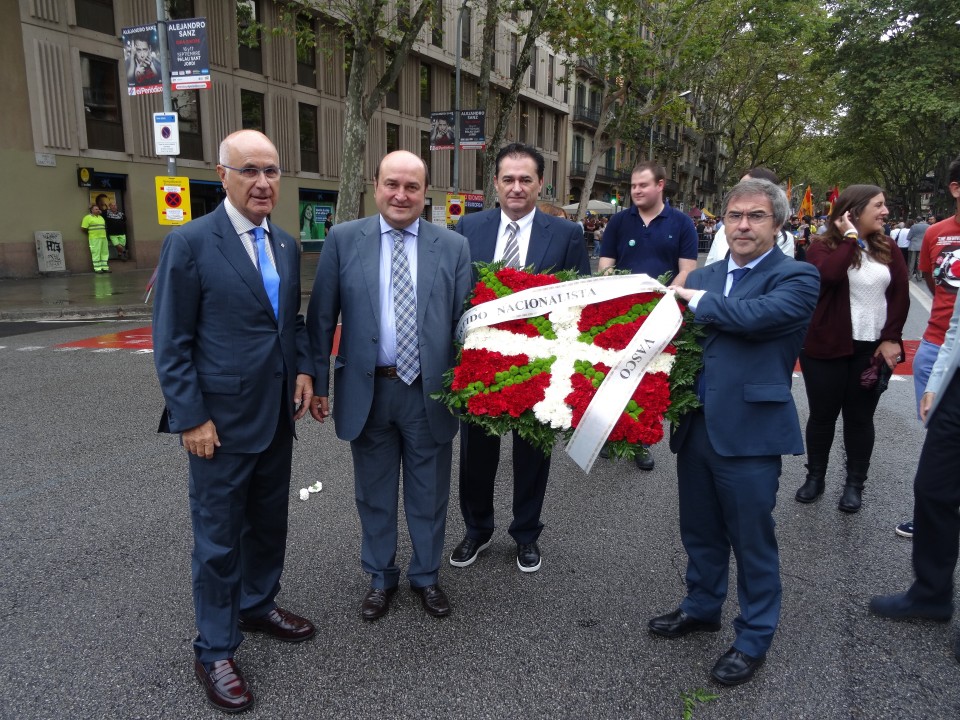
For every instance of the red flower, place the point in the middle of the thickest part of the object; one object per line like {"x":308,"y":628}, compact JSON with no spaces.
{"x":512,"y":400}
{"x":483,"y":365}
{"x":520,"y":327}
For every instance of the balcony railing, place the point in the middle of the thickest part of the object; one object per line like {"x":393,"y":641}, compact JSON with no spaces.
{"x":586,"y":115}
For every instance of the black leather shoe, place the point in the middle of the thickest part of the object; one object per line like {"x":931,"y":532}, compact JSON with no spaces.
{"x":434,"y":600}
{"x":466,"y":552}
{"x":811,"y":489}
{"x":225,"y":687}
{"x":528,"y":557}
{"x":645,"y":461}
{"x":376,"y":603}
{"x":902,"y":607}
{"x":281,"y":624}
{"x":678,"y":623}
{"x":735,"y":667}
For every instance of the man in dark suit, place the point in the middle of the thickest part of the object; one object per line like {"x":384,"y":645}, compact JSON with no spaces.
{"x":755,"y":308}
{"x":232,"y":357}
{"x":399,"y":284}
{"x":519,"y":235}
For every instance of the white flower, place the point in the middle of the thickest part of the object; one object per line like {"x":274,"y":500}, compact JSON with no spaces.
{"x":304,"y":494}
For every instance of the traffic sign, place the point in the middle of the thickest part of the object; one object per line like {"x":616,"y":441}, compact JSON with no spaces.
{"x":166,"y":134}
{"x":455,"y":207}
{"x":173,"y":200}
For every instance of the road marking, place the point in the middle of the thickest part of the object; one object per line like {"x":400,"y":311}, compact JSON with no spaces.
{"x":921,"y":296}
{"x":30,"y":348}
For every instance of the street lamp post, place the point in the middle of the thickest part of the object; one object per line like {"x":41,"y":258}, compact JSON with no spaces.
{"x":456,"y":104}
{"x":650,"y":151}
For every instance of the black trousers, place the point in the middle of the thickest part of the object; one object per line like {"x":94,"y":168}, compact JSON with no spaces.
{"x":833,"y":388}
{"x":936,"y":502}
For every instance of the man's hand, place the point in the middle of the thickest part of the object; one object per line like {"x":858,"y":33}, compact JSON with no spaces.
{"x":201,"y":440}
{"x":683,"y":293}
{"x":320,"y":407}
{"x":926,"y":402}
{"x":302,"y":395}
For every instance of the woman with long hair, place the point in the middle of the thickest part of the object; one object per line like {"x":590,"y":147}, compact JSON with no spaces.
{"x":864,"y":298}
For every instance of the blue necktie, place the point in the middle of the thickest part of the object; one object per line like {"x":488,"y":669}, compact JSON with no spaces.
{"x":738,"y":274}
{"x":405,"y":311}
{"x":271,"y":280}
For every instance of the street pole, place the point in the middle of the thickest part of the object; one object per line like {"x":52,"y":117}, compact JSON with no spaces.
{"x":456,"y":104}
{"x":165,"y":73}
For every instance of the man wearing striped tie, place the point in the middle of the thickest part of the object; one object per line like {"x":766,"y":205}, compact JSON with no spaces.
{"x":397,"y":283}
{"x":520,"y":235}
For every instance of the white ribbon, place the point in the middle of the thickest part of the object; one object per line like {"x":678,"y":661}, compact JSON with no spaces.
{"x":653,"y":336}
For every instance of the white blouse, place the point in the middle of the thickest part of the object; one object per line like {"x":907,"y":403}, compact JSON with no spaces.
{"x":868,"y":299}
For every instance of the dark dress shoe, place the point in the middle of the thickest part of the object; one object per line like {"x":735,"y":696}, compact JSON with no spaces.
{"x":678,"y":623}
{"x":376,"y":603}
{"x":281,"y":624}
{"x":528,"y":557}
{"x":811,"y":489}
{"x":903,"y":607}
{"x":735,"y":667}
{"x":644,"y":461}
{"x":467,"y":551}
{"x":434,"y":600}
{"x":225,"y":687}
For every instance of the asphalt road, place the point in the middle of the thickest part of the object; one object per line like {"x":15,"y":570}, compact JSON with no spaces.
{"x":97,"y":617}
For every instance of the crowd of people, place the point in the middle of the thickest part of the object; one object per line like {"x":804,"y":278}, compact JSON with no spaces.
{"x":239,"y":365}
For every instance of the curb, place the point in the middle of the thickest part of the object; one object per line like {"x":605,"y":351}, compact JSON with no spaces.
{"x":122,"y":312}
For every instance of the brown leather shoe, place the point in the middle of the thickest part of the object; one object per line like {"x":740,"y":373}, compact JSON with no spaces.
{"x":281,"y":624}
{"x":376,"y":603}
{"x":434,"y":600}
{"x":225,"y":687}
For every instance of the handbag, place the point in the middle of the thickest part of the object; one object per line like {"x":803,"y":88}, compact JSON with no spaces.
{"x":876,"y":376}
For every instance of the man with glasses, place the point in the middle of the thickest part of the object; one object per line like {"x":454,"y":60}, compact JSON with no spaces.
{"x":233,"y":360}
{"x":754,"y":308}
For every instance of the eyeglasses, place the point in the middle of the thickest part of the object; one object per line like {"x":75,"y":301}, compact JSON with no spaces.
{"x":252,"y":173}
{"x":753,"y":218}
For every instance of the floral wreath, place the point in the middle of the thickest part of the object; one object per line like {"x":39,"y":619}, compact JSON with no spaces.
{"x":538,"y":375}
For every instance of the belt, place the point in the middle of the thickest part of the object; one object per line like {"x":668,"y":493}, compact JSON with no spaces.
{"x":387,"y":371}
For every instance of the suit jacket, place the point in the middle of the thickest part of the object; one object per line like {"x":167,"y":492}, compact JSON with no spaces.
{"x":347,"y":286}
{"x":751,"y":345}
{"x":947,"y":362}
{"x":219,"y":351}
{"x":555,"y":243}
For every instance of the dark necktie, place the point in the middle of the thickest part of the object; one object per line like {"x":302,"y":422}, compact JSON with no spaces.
{"x":738,"y":274}
{"x":271,"y":280}
{"x":511,"y":250}
{"x":405,"y":310}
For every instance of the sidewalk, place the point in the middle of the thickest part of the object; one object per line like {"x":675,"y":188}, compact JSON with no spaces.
{"x":118,"y":295}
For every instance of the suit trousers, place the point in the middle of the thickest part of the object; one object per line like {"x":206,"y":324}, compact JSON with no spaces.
{"x":238,"y":508}
{"x":936,"y":504}
{"x":397,"y":435}
{"x":727,"y":502}
{"x":479,"y":460}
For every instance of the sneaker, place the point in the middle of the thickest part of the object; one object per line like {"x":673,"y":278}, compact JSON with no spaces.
{"x":466,"y":552}
{"x":528,"y":557}
{"x":644,"y":461}
{"x":604,"y":453}
{"x":905,"y":529}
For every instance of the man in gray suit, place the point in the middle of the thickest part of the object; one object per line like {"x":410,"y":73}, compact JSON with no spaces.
{"x":936,"y":497}
{"x":399,"y":284}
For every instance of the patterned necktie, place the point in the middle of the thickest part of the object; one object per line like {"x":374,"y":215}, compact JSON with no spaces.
{"x":511,"y":249}
{"x":271,"y":280}
{"x":405,"y":309}
{"x":738,"y":274}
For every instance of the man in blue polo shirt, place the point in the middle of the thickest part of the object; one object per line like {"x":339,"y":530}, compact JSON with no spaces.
{"x":650,"y":237}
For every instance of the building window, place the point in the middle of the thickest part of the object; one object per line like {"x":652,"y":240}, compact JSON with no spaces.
{"x":403,"y":15}
{"x":578,"y":147}
{"x":391,"y":99}
{"x":478,"y":175}
{"x":551,"y":68}
{"x":522,"y":134}
{"x":248,"y":33}
{"x":425,"y":154}
{"x":425,"y":75}
{"x":96,"y":15}
{"x":466,"y":31}
{"x":513,"y":54}
{"x":101,"y":103}
{"x":306,"y":51}
{"x":534,"y":61}
{"x":251,"y":110}
{"x":186,"y":103}
{"x":556,"y":132}
{"x":393,"y":137}
{"x":541,"y":121}
{"x":453,"y":90}
{"x":436,"y":35}
{"x":309,"y":142}
{"x":180,"y":9}
{"x":556,"y":179}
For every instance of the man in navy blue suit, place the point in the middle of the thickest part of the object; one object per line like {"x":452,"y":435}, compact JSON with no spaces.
{"x":233,"y":360}
{"x":520,"y":235}
{"x":755,"y":308}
